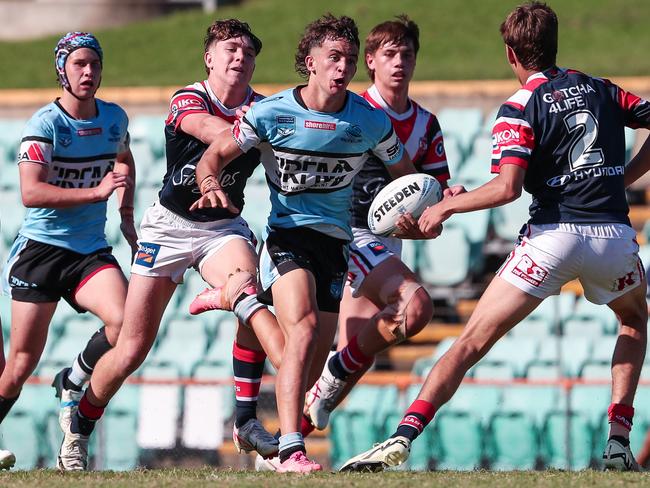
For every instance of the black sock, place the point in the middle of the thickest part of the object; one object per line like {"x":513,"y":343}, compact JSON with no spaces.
{"x":619,"y":438}
{"x":69,"y":385}
{"x":336,"y":367}
{"x":410,"y":431}
{"x":5,"y":405}
{"x":82,"y":425}
{"x":286,"y":453}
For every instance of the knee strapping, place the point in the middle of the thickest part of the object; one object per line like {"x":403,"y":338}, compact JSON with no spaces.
{"x":240,"y":295}
{"x":397,"y":294}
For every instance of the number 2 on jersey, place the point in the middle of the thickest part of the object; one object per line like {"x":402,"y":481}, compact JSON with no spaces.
{"x":583,"y":126}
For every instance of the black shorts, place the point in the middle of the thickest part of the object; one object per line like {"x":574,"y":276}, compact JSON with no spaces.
{"x":304,"y":248}
{"x":41,"y":273}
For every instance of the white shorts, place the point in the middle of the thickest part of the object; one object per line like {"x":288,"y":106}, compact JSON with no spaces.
{"x":367,"y":251}
{"x":170,"y":244}
{"x":604,"y":257}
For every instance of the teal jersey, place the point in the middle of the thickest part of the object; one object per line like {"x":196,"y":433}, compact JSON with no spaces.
{"x":310,"y":157}
{"x":77,"y":154}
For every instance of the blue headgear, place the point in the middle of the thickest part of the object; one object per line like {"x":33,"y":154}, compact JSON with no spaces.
{"x":69,"y":43}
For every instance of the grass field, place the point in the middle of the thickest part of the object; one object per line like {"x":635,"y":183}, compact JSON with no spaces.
{"x":178,"y":478}
{"x":459,"y":40}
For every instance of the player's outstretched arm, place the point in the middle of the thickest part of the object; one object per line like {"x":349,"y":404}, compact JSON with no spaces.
{"x":638,"y":165}
{"x":502,"y":189}
{"x":401,"y":168}
{"x":37,"y":193}
{"x":204,"y":127}
{"x":215,"y":158}
{"x":124,"y":164}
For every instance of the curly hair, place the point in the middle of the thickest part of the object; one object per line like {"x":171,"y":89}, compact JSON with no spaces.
{"x":397,"y":32}
{"x":326,"y":27}
{"x":221,"y":30}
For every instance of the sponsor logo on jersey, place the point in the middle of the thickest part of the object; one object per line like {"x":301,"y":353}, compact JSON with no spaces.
{"x":529,"y":271}
{"x":64,"y":135}
{"x":506,"y":135}
{"x":75,"y":177}
{"x":16,"y":282}
{"x":377,"y":248}
{"x":440,"y":149}
{"x":558,"y":181}
{"x":147,"y":253}
{"x":318,"y":125}
{"x":186,"y":102}
{"x":33,"y":153}
{"x":295,"y":173}
{"x":567,"y":98}
{"x":286,"y":125}
{"x":95,"y":131}
{"x":393,"y":150}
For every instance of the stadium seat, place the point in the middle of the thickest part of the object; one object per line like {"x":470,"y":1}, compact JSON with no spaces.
{"x":455,"y":156}
{"x":533,"y":326}
{"x":556,"y":308}
{"x":445,"y":261}
{"x":184,"y":343}
{"x":257,"y":207}
{"x":220,"y":350}
{"x":535,"y":402}
{"x":207,"y":408}
{"x":38,"y":401}
{"x":461,"y":123}
{"x":519,"y":352}
{"x":10,"y":176}
{"x":159,"y":408}
{"x":543,"y":371}
{"x":74,"y":338}
{"x":120,"y":448}
{"x":584,"y":308}
{"x":596,"y":370}
{"x":512,"y":442}
{"x":11,"y":131}
{"x":478,"y":401}
{"x":569,"y":352}
{"x":493,"y":370}
{"x":475,"y":225}
{"x":20,"y":434}
{"x":151,"y":130}
{"x":582,"y":326}
{"x":144,"y":198}
{"x":460,"y":436}
{"x":555,"y":436}
{"x":476,"y":168}
{"x":509,"y":219}
{"x":604,"y":349}
{"x":10,"y":222}
{"x":410,"y":251}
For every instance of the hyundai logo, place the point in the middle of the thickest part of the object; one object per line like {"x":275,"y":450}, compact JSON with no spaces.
{"x":560,"y":180}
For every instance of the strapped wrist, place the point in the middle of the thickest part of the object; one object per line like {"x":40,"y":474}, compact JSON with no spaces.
{"x":208,"y":184}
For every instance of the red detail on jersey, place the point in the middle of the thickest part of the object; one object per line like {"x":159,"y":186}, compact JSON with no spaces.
{"x":315,"y":124}
{"x":183,"y":104}
{"x":236,"y":130}
{"x":534,"y":83}
{"x":510,"y":160}
{"x":35,"y":153}
{"x":627,"y":100}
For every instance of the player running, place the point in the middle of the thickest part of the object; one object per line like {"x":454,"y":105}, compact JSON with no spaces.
{"x":383,"y":302}
{"x":215,"y":241}
{"x":561,"y":137}
{"x":313,"y":139}
{"x":74,"y":154}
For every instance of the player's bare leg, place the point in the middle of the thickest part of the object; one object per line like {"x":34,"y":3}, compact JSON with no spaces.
{"x":297,"y":314}
{"x":237,"y":260}
{"x":627,"y":361}
{"x":487,"y":324}
{"x":402,"y":308}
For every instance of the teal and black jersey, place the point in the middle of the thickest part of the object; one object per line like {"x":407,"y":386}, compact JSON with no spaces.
{"x":77,"y":154}
{"x":311,"y":157}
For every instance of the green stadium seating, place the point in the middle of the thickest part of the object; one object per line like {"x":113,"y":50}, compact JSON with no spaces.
{"x":461,"y":123}
{"x":543,"y":370}
{"x":20,"y":434}
{"x":556,"y":308}
{"x":10,"y":135}
{"x":220,"y":350}
{"x":519,"y":352}
{"x":479,"y":401}
{"x":584,"y":308}
{"x":570,"y":352}
{"x":509,"y":219}
{"x":489,"y":370}
{"x":151,"y":130}
{"x":257,"y":207}
{"x":513,"y":442}
{"x":10,"y":177}
{"x":533,"y":326}
{"x":555,"y":436}
{"x":76,"y":333}
{"x":476,"y":168}
{"x":535,"y":402}
{"x":445,"y":261}
{"x":455,"y":155}
{"x":144,"y":198}
{"x":410,"y":252}
{"x":11,"y":221}
{"x":120,"y":448}
{"x":596,"y":370}
{"x":183,"y":344}
{"x":460,"y":436}
{"x":604,"y":349}
{"x":475,"y":225}
{"x":582,"y":326}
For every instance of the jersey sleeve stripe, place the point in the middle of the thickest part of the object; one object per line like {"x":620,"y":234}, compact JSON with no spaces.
{"x":37,"y":139}
{"x":517,"y":161}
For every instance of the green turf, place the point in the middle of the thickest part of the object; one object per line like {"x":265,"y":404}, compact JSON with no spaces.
{"x":178,"y":478}
{"x":460,"y":40}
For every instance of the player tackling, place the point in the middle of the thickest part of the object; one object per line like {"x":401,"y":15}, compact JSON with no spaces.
{"x":561,"y":137}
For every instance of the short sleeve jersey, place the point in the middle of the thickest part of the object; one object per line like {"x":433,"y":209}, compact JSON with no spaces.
{"x":566,"y":129}
{"x":180,"y":189}
{"x":77,"y":154}
{"x":310,"y":157}
{"x":420,"y":133}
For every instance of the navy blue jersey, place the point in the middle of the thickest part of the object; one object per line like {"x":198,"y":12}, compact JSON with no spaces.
{"x":567,"y":130}
{"x":184,"y":151}
{"x":419,"y":131}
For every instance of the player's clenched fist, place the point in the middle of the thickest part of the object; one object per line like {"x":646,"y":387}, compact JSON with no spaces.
{"x":111,"y":182}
